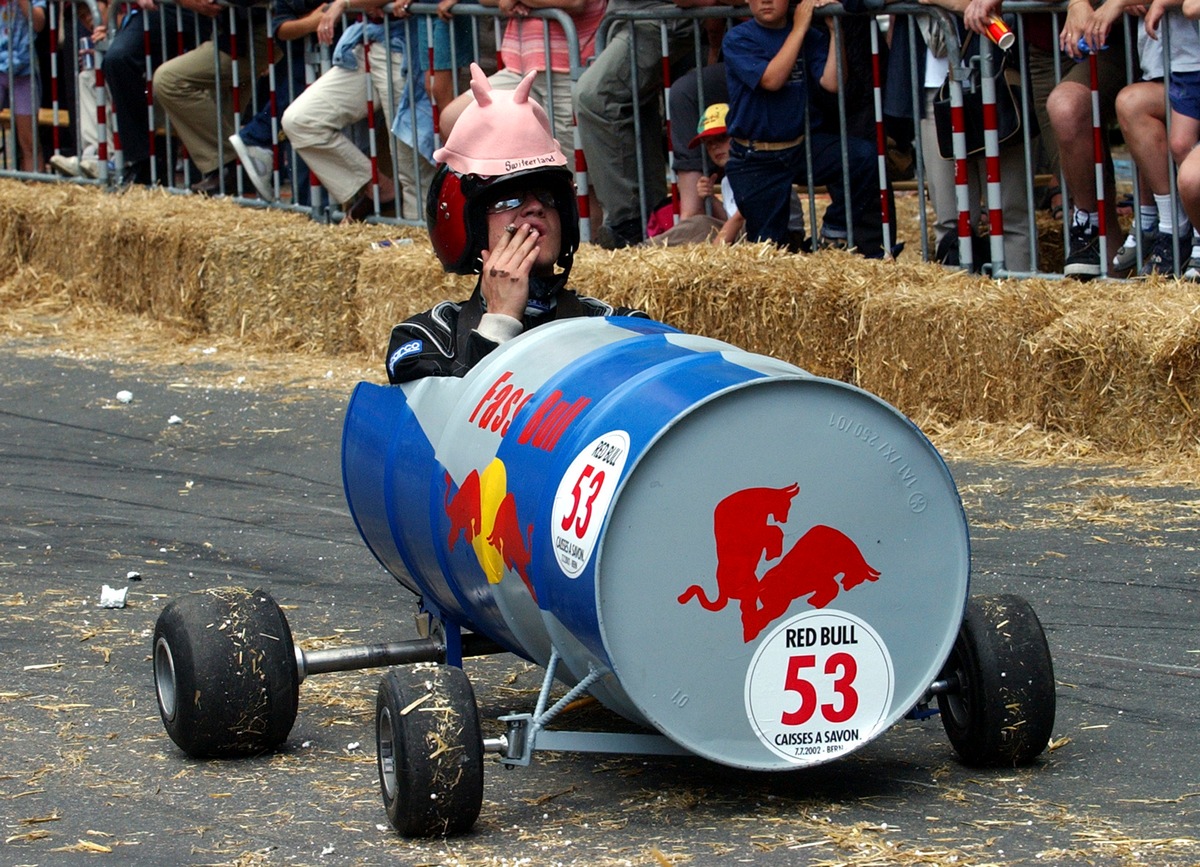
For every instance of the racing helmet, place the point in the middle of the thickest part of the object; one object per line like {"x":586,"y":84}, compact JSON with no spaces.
{"x":471,"y":174}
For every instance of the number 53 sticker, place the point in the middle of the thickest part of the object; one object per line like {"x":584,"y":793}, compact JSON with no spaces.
{"x":819,"y":685}
{"x":583,"y":497}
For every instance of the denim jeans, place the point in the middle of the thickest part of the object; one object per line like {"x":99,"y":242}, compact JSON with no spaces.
{"x":762,"y":185}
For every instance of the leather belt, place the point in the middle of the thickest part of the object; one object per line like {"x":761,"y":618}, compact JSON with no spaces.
{"x":769,"y":145}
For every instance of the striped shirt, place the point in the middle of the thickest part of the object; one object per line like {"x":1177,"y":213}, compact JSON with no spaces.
{"x":523,"y":47}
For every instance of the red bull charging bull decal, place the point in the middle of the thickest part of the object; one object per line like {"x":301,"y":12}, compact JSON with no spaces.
{"x":484,"y":511}
{"x":748,"y":529}
{"x":819,"y":684}
{"x":583,"y":499}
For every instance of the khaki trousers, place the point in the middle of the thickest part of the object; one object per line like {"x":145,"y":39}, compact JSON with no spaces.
{"x":315,"y":120}
{"x":187,"y":86}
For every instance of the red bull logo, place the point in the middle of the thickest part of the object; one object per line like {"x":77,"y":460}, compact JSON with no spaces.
{"x":748,"y":529}
{"x":485,"y":511}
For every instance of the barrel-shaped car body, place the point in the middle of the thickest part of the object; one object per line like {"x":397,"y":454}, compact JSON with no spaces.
{"x":768,"y":567}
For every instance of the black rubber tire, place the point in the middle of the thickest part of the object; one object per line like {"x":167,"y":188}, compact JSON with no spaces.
{"x":1000,"y":712}
{"x":225,"y":672}
{"x":429,"y":750}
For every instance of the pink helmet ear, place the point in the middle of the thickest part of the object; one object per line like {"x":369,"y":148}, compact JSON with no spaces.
{"x":481,"y":87}
{"x":500,"y":132}
{"x":521,"y":94}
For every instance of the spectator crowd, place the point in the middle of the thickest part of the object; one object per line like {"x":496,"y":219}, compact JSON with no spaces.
{"x":697,"y":121}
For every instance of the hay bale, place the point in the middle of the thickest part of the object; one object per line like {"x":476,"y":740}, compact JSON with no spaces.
{"x":397,"y":281}
{"x":936,"y":342}
{"x":281,"y":280}
{"x":1116,"y":363}
{"x":158,"y":243}
{"x":803,"y":309}
{"x":54,"y":243}
{"x":18,"y":210}
{"x":1121,"y":365}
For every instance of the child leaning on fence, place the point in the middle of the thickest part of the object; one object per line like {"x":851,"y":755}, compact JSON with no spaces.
{"x":19,"y":20}
{"x":771,"y":62}
{"x":1154,"y":130}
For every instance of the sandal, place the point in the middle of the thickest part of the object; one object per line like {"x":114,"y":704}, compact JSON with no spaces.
{"x":1052,"y":202}
{"x":363,"y":206}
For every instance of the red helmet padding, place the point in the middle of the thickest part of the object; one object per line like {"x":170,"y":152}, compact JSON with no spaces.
{"x":454,"y":213}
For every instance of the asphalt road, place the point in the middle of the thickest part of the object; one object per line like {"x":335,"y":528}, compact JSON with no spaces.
{"x":244,"y":488}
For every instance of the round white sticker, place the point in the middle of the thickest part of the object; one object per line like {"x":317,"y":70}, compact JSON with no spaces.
{"x":583,"y":497}
{"x":819,"y":685}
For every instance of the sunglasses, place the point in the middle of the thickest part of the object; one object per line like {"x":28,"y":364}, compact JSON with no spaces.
{"x":510,"y":203}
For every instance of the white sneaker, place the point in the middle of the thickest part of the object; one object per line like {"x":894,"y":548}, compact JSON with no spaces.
{"x":66,"y":166}
{"x":1126,"y":258}
{"x":258,"y":165}
{"x":1191,"y":270}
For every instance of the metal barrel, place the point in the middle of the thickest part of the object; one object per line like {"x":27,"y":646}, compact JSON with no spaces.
{"x":766,"y":566}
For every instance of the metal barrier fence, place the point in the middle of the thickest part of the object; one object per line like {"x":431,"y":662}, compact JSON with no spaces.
{"x":678,"y":37}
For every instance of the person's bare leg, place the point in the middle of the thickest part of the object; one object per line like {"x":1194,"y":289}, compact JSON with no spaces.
{"x":26,"y":144}
{"x":1070,"y":109}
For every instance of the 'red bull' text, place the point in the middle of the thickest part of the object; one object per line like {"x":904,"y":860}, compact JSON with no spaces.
{"x":826,"y":636}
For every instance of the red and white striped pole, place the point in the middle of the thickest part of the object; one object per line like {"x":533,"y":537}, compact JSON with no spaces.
{"x":372,"y":150}
{"x":102,"y":119}
{"x":885,"y":208}
{"x":582,"y":196}
{"x":148,"y":66}
{"x":53,"y":26}
{"x":961,"y":191}
{"x":672,"y":180}
{"x":991,"y":151}
{"x":1098,"y":158}
{"x":236,"y":88}
{"x":274,"y":104}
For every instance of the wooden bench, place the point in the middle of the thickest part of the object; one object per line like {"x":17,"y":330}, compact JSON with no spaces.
{"x":46,"y":117}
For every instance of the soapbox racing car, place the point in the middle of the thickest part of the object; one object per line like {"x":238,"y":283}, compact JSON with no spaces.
{"x":756,"y":566}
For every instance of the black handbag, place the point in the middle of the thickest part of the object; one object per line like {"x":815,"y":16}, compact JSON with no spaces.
{"x":1008,"y":104}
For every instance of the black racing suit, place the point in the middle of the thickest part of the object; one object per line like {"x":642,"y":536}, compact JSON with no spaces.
{"x":443,"y":341}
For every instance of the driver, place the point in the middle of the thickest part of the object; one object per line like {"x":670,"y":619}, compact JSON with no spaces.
{"x":511,"y":219}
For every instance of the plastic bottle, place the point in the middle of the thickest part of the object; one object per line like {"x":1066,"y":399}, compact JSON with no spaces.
{"x":1086,"y":49}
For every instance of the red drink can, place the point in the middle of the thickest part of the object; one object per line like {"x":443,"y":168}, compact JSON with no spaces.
{"x":999,"y":33}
